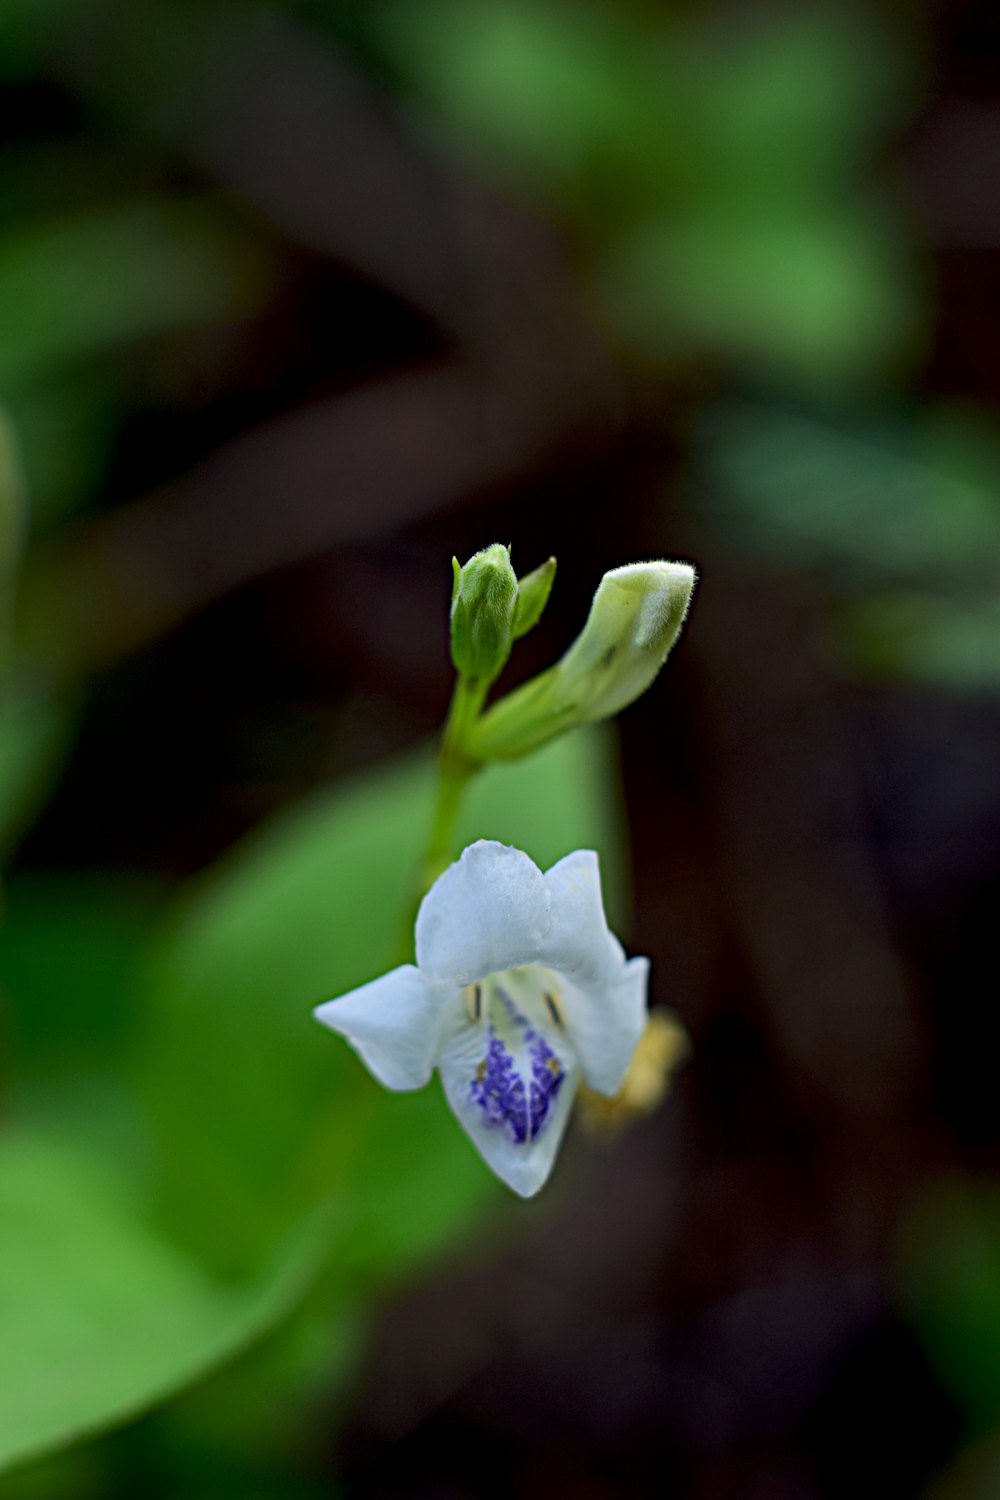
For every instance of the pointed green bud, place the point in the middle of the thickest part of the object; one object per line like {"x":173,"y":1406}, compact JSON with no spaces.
{"x":533,"y":592}
{"x":634,"y":620}
{"x":483,"y":601}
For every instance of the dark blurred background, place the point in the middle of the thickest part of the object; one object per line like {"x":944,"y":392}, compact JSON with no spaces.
{"x":299,"y":299}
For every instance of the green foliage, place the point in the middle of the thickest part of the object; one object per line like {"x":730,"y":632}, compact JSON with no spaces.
{"x":256,"y":1154}
{"x":68,"y":425}
{"x":70,"y":949}
{"x":35,"y":733}
{"x":12,"y":503}
{"x":87,"y":285}
{"x":13,"y":521}
{"x":868,"y":501}
{"x":949,"y":1281}
{"x":27,"y":29}
{"x":924,"y":637}
{"x":973,"y":1475}
{"x":100,"y":1315}
{"x":575,"y":117}
{"x":903,"y":519}
{"x":812,"y":296}
{"x":713,"y":173}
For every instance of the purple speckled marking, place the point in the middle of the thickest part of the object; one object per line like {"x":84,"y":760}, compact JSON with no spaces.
{"x":499,"y":1089}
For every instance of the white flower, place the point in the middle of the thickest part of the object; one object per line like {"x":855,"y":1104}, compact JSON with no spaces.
{"x":518,"y":992}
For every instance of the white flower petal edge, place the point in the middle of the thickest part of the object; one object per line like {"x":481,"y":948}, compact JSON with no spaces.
{"x":488,"y":912}
{"x":393,"y":1024}
{"x":578,"y":943}
{"x":519,"y":991}
{"x":605,"y":1025}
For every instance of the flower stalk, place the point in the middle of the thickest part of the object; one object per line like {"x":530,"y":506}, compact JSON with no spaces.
{"x":521,"y":998}
{"x":634,"y":621}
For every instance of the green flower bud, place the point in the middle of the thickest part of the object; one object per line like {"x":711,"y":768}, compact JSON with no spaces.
{"x":634,"y":620}
{"x":532,"y":596}
{"x":483,"y":602}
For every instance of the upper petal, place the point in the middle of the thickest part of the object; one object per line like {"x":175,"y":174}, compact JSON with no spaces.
{"x":393,"y":1023}
{"x":604,"y":1023}
{"x":578,"y":944}
{"x":488,"y":912}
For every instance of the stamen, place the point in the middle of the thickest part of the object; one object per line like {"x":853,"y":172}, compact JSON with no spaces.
{"x":520,"y":1104}
{"x":509,"y":1006}
{"x":553,"y":1009}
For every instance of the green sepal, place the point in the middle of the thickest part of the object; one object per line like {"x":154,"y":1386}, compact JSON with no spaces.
{"x":533,"y":592}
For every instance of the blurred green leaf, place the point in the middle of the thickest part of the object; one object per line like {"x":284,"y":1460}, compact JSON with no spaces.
{"x":35,"y":734}
{"x":13,"y":525}
{"x":27,"y":31}
{"x":791,"y":99}
{"x":13,"y":503}
{"x":973,"y":1475}
{"x":90,"y":284}
{"x":903,"y":519}
{"x":277,"y":1150}
{"x":924,"y":637}
{"x":258,"y":1113}
{"x":70,"y":948}
{"x":100,"y":1316}
{"x":68,"y":427}
{"x":249,"y":1428}
{"x":948,"y":1276}
{"x":561,"y":101}
{"x":714,"y":172}
{"x":905,"y":502}
{"x":35,"y":726}
{"x":818,"y":299}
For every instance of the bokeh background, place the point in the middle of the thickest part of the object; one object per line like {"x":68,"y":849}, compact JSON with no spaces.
{"x":298,"y":299}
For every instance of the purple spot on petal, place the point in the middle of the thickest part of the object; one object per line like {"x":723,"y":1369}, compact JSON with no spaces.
{"x":499,"y":1089}
{"x":546,"y":1080}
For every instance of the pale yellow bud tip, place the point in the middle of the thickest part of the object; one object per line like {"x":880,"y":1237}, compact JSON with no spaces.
{"x":663,"y":1047}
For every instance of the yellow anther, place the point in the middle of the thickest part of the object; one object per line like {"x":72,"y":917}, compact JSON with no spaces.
{"x":663,"y":1047}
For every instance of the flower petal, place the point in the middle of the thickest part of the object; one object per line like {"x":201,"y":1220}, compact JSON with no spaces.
{"x":515,"y":1111}
{"x":488,"y":912}
{"x":579,"y":945}
{"x":393,"y":1023}
{"x":605,"y":1023}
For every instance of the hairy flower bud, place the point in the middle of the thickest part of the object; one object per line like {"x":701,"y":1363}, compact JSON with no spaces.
{"x":634,"y":620}
{"x":483,"y":602}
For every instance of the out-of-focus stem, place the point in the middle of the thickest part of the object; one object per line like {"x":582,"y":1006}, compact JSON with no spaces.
{"x":455,"y":771}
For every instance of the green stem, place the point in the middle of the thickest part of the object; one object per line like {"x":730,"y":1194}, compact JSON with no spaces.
{"x":455,"y":770}
{"x":466,"y":705}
